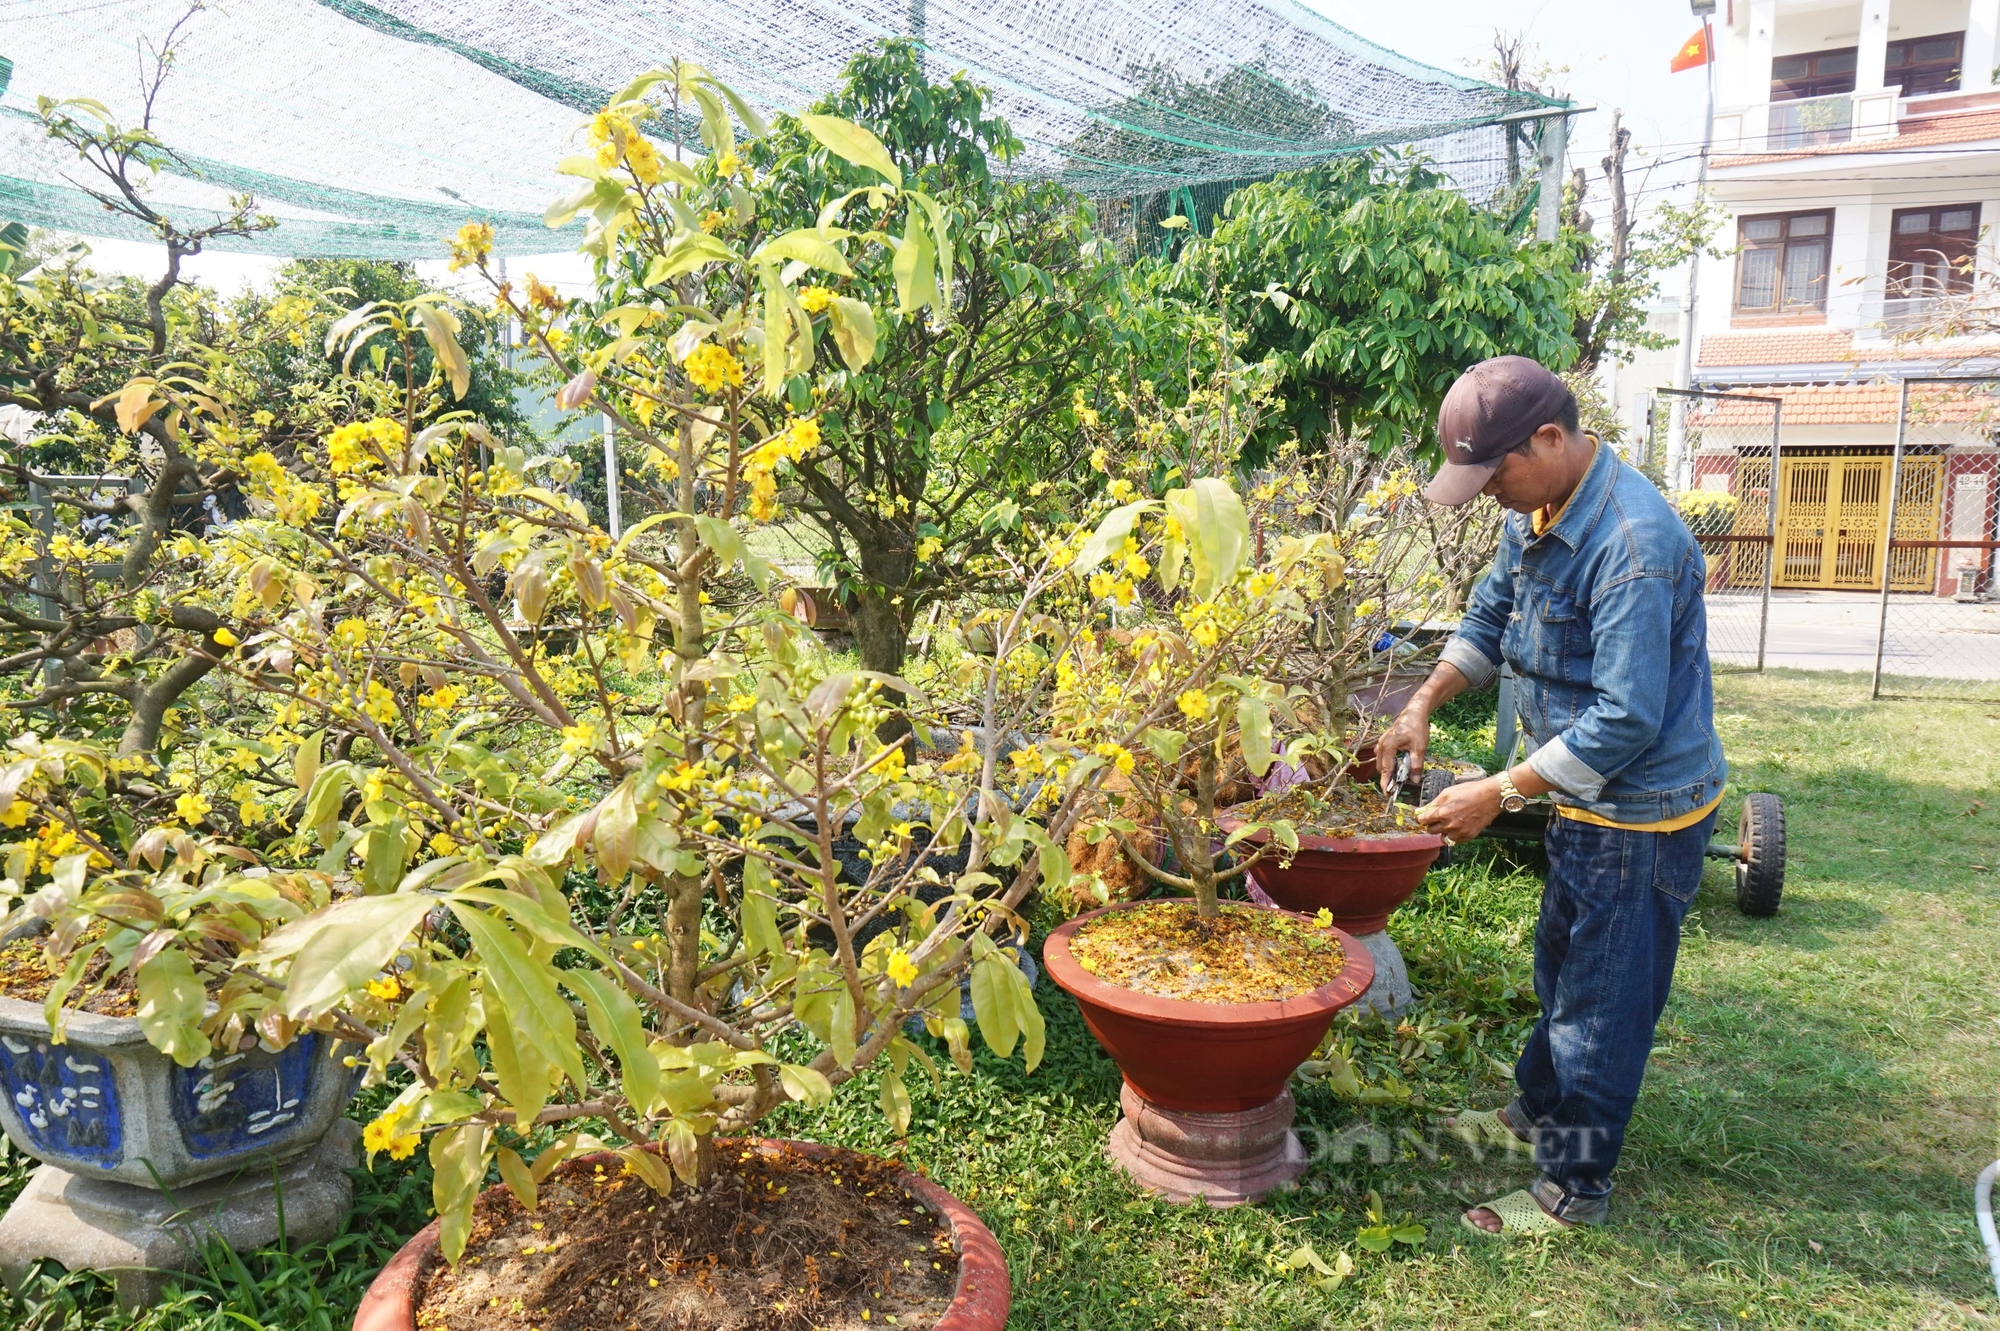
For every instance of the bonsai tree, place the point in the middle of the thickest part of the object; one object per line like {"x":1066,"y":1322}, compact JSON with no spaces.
{"x":970,"y":405}
{"x":563,"y":829}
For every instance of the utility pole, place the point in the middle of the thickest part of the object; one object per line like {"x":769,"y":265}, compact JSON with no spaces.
{"x":1554,"y":141}
{"x":1677,"y":459}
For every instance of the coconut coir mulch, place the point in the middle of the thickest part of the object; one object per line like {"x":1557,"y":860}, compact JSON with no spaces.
{"x":1245,"y":955}
{"x":26,"y":974}
{"x":776,"y":1241}
{"x":1351,"y":809}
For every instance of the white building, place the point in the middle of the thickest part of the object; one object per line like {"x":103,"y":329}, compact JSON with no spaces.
{"x":1857,"y":151}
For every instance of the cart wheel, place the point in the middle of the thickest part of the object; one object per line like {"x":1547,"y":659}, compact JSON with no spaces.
{"x":1434,"y":782}
{"x":1760,"y":863}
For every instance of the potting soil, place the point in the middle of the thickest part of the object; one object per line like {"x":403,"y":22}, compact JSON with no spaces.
{"x":1349,"y":809}
{"x":774,"y":1242}
{"x":27,"y":974}
{"x":1244,"y":955}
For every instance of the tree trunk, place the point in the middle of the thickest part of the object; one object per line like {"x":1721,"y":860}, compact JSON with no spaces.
{"x":884,"y":608}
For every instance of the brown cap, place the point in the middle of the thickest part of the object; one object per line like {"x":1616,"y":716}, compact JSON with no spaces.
{"x":1491,"y":410}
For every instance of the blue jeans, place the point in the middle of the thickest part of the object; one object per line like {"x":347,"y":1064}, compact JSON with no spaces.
{"x":1605,"y":945}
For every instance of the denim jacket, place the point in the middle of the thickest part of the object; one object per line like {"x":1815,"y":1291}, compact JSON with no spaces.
{"x":1601,"y":618}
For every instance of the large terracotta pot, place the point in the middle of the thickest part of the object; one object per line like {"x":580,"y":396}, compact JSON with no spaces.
{"x":1207,"y":1108}
{"x":980,"y":1302}
{"x":1208,"y":1058}
{"x":1358,"y":880}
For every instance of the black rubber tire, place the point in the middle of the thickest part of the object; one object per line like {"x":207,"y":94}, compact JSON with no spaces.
{"x":1760,"y":863}
{"x":1434,"y":782}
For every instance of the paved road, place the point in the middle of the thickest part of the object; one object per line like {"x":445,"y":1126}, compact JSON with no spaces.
{"x":1927,"y":636}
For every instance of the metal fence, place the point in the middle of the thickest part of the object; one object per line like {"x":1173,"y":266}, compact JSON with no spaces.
{"x":1734,"y":442}
{"x":1937,"y":629}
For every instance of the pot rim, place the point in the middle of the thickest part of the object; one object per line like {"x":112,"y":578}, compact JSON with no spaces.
{"x":1345,"y":988}
{"x":1390,"y":844}
{"x":980,"y":1298}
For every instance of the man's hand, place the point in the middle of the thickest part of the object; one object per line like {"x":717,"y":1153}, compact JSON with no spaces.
{"x":1409,"y":733}
{"x":1461,"y":812}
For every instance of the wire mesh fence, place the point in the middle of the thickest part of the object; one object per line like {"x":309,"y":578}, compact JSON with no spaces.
{"x":1938,"y":622}
{"x":1734,"y":441}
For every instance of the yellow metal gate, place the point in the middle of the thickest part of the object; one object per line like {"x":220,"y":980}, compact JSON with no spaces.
{"x":1833,"y":515}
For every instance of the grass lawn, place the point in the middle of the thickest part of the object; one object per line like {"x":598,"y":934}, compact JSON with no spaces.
{"x":1821,"y":1095}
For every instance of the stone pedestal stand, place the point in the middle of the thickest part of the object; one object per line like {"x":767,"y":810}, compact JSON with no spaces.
{"x":1223,"y":1159}
{"x":1391,"y":991}
{"x":140,"y":1236}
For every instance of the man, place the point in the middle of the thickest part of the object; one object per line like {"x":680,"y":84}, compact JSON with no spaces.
{"x":1595,"y":601}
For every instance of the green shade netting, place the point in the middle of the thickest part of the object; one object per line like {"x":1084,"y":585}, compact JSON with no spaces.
{"x":375,"y":129}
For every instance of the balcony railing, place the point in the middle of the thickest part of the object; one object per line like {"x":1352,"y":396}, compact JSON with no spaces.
{"x":1810,"y":122}
{"x":1806,"y":123}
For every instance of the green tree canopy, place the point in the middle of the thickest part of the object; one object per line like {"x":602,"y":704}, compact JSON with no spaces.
{"x":1371,"y":284}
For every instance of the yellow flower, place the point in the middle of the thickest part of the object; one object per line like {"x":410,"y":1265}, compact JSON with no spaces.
{"x":901,"y":969}
{"x":542,"y":296}
{"x":727,"y":165}
{"x":1120,"y":757}
{"x":380,"y":704}
{"x":1323,"y":918}
{"x":928,"y":548}
{"x":643,"y":158}
{"x":382,"y":1135}
{"x":351,"y":632}
{"x":385,"y":987}
{"x":1193,"y":704}
{"x":1097,"y":459}
{"x":192,"y":807}
{"x":225,"y":637}
{"x":471,"y":245}
{"x":250,"y":812}
{"x":815,"y":299}
{"x":16,"y":813}
{"x":712,"y":368}
{"x":442,"y":844}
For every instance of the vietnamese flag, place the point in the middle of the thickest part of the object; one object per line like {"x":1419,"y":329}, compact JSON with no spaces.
{"x":1693,"y":52}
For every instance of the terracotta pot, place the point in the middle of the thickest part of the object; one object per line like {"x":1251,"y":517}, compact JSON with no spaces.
{"x":979,"y":1303}
{"x":1360,"y":880}
{"x":1206,"y":1058}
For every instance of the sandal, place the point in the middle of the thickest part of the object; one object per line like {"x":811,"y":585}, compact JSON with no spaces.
{"x":1521,"y":1216}
{"x":1485,"y":1129}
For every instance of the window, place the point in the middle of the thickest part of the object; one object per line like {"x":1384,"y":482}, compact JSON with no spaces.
{"x":1816,"y":74}
{"x":1931,"y":250}
{"x":1926,"y":64}
{"x":1783,"y":265}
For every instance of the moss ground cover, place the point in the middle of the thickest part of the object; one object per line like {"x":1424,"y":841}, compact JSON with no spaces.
{"x":1821,"y":1097}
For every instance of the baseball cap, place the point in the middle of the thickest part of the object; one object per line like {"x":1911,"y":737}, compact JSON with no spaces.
{"x":1491,"y":410}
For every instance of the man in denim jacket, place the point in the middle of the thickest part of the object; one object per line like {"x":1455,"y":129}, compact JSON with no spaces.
{"x":1595,"y":601}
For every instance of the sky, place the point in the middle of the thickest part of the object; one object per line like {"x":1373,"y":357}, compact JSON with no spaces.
{"x":1616,"y":53}
{"x":1607,"y":53}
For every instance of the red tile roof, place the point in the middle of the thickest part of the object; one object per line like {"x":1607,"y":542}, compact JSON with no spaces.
{"x":1809,"y":346}
{"x":1854,"y":404}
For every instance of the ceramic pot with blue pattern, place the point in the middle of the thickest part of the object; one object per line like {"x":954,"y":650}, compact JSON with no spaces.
{"x":106,"y":1104}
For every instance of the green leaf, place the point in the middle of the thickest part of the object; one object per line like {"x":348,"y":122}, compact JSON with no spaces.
{"x":458,"y":1157}
{"x":652,"y":1170}
{"x":617,"y":832}
{"x":853,"y":330}
{"x":1409,"y":1233}
{"x":520,"y":1180}
{"x":525,"y":1076}
{"x":914,"y":268}
{"x":941,"y":239}
{"x":1217,"y":530}
{"x":341,"y":948}
{"x":441,"y":331}
{"x":759,"y":912}
{"x":1253,"y":723}
{"x":895,"y":1102}
{"x":1034,"y":1035}
{"x":684,"y":1150}
{"x":1375,"y":1238}
{"x":171,"y":999}
{"x":846,"y":139}
{"x":1110,"y":534}
{"x":992,"y":1000}
{"x":803,"y":1084}
{"x":806,"y":246}
{"x":689,"y":251}
{"x":527,"y":989}
{"x":721,"y":536}
{"x":615,"y":1021}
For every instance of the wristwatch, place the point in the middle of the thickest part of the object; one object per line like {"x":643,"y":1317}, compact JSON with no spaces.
{"x":1511,"y":800}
